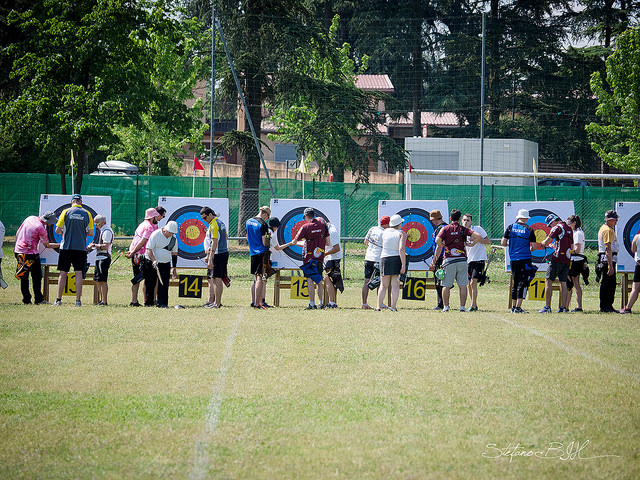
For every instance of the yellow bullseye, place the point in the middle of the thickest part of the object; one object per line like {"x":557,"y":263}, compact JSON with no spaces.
{"x":192,"y":232}
{"x":540,"y":235}
{"x":413,"y":235}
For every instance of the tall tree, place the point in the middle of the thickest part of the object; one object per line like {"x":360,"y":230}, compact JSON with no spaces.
{"x":83,"y":66}
{"x":617,"y":138}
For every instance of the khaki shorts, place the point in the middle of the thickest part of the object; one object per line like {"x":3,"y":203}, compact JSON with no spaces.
{"x":457,"y":271}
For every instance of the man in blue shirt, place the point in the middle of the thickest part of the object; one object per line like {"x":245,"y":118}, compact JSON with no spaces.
{"x":519,"y":236}
{"x":258,"y":238}
{"x":75,"y":225}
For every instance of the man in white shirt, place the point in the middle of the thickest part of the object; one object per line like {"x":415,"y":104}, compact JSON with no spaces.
{"x":373,"y":241}
{"x":476,"y":258}
{"x":103,"y":257}
{"x":160,"y":255}
{"x":332,"y":275}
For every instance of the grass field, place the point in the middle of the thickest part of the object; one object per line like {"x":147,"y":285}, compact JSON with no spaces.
{"x":119,"y":392}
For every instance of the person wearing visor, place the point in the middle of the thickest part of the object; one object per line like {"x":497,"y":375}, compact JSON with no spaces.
{"x":373,"y":241}
{"x":607,"y":258}
{"x":31,"y":234}
{"x":315,"y":237}
{"x":562,"y":235}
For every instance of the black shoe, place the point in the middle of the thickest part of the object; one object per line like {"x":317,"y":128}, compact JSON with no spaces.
{"x":311,"y":307}
{"x":609,"y":310}
{"x":135,"y":304}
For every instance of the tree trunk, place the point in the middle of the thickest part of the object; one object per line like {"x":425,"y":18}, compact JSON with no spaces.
{"x":416,"y":100}
{"x":63,"y":179}
{"x":83,"y":157}
{"x":493,"y":37}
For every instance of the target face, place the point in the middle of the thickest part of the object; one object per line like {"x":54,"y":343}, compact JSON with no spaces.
{"x":628,"y":227}
{"x":290,"y":212}
{"x":417,"y":225}
{"x":51,"y":229}
{"x":538,"y":212}
{"x":419,"y":229}
{"x":540,"y":228}
{"x":290,"y":224}
{"x":57,"y":203}
{"x":192,"y":230}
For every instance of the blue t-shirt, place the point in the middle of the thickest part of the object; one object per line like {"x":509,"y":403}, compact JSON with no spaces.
{"x":519,"y":237}
{"x":76,"y":221}
{"x":256,"y":229}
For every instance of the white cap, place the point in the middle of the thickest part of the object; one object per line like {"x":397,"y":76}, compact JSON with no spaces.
{"x":172,"y":227}
{"x":524,"y":213}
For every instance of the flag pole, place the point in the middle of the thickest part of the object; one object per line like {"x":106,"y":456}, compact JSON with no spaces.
{"x":535,"y":178}
{"x":73,"y":183}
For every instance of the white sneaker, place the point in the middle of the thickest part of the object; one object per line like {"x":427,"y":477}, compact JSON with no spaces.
{"x":57,"y":303}
{"x":445,"y":309}
{"x":462,"y":309}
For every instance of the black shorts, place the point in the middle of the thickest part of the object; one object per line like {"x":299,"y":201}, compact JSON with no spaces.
{"x":77,"y":258}
{"x":475,"y":269}
{"x":332,"y":265}
{"x":390,"y":265}
{"x":136,"y":264}
{"x":369,"y":267}
{"x":636,"y":274}
{"x":575,"y":267}
{"x":220,"y":261}
{"x":102,"y":269}
{"x":256,"y":263}
{"x":559,"y":270}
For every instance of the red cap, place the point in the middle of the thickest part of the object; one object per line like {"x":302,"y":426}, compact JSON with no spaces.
{"x":384,"y":220}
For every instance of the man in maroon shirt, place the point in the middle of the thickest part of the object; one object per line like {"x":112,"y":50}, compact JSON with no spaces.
{"x":315,"y":235}
{"x":560,"y":260}
{"x":452,"y":238}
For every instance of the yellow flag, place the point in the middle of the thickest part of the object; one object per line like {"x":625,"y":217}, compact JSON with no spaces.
{"x":302,"y":168}
{"x":535,"y":167}
{"x":72,"y":160}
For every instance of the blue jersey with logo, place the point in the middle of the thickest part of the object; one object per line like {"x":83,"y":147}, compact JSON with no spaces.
{"x":519,"y":237}
{"x":256,"y":229}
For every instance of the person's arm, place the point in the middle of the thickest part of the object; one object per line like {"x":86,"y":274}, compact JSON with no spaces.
{"x":609,"y":253}
{"x":634,"y":244}
{"x":214,"y":246}
{"x":141,"y":243}
{"x":403,"y":253}
{"x":174,"y":264}
{"x":436,"y":254}
{"x":151,"y":256}
{"x":546,"y":241}
{"x":334,"y":249}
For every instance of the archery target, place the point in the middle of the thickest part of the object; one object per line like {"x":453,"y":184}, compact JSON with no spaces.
{"x":290,"y":213}
{"x":192,"y":230}
{"x":57,"y":203}
{"x":420,"y":244}
{"x":627,"y":228}
{"x":538,"y":212}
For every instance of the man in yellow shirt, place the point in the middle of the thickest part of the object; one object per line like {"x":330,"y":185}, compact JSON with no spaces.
{"x":607,"y":257}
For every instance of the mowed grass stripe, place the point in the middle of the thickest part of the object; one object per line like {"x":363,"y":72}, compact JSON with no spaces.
{"x":574,"y":351}
{"x":201,"y":458}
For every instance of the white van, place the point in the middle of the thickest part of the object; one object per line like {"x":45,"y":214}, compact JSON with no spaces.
{"x":116,"y":167}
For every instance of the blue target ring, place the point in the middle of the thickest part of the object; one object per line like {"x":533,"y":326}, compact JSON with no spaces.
{"x":419,"y":229}
{"x":538,"y":224}
{"x":631,"y":229}
{"x":191,"y":232}
{"x":290,"y":223}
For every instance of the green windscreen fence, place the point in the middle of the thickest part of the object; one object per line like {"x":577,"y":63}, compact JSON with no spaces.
{"x":130,"y":196}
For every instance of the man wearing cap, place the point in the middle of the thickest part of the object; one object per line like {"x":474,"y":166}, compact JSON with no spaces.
{"x":137,"y":251}
{"x":560,"y":260}
{"x":103,"y":257}
{"x":373,"y":241}
{"x":607,"y":258}
{"x":218,"y":257}
{"x":521,"y":239}
{"x":31,"y":233}
{"x":315,"y":235}
{"x":452,"y":239}
{"x":161,"y":254}
{"x":257,"y":236}
{"x":75,"y":225}
{"x":436,"y":219}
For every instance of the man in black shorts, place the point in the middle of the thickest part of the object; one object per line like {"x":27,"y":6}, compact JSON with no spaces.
{"x":75,"y":225}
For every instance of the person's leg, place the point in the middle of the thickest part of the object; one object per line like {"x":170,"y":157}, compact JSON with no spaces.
{"x":62,"y":281}
{"x":395,"y":290}
{"x":548,"y":291}
{"x":385,"y":281}
{"x":633,"y":296}
{"x":36,"y":278}
{"x":578,"y":287}
{"x":365,"y":291}
{"x":462,"y":279}
{"x":163,"y":287}
{"x":446,"y":292}
{"x":217,"y":291}
{"x":24,"y":286}
{"x":150,"y":280}
{"x":463,"y":295}
{"x":563,"y":294}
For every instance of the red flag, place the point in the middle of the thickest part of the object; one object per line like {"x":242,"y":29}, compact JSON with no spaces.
{"x":410,"y":164}
{"x":196,"y":164}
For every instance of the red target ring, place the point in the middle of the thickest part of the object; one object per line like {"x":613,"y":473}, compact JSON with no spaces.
{"x":417,"y":234}
{"x":192,"y":232}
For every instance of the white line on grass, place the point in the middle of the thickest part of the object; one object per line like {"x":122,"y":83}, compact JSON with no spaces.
{"x":201,"y":460}
{"x":568,"y":349}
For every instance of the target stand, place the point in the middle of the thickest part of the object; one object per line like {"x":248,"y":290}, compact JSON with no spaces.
{"x":283,"y":282}
{"x":51,"y":278}
{"x":555,"y":287}
{"x":625,"y":288}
